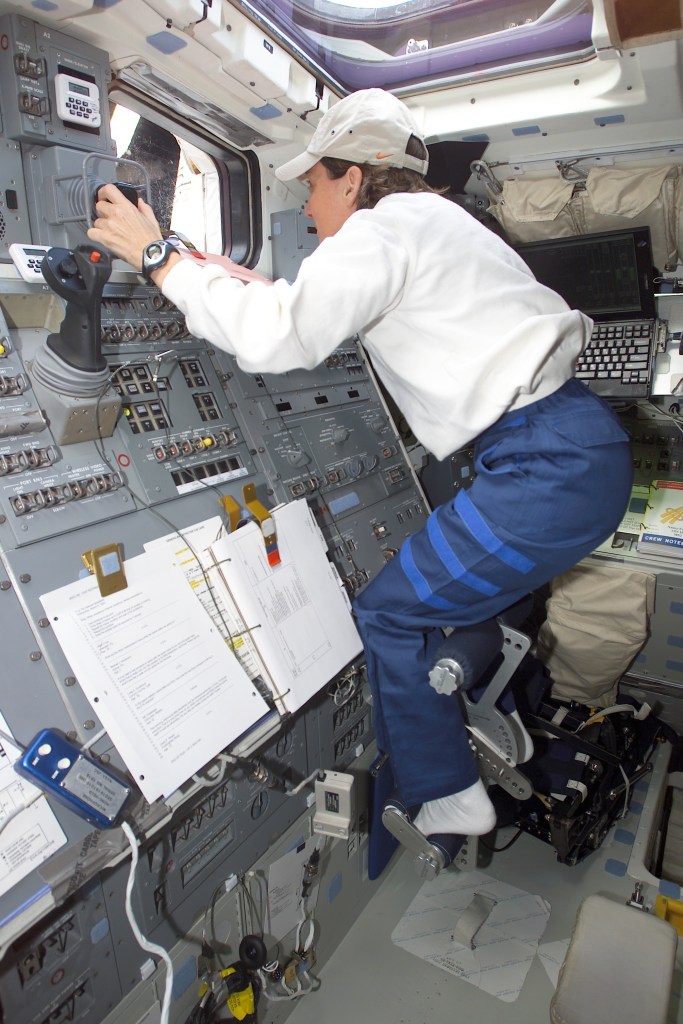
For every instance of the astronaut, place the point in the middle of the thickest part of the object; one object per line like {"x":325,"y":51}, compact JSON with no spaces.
{"x":474,"y":351}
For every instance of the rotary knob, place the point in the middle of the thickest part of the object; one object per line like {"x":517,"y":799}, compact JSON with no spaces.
{"x":446,"y":676}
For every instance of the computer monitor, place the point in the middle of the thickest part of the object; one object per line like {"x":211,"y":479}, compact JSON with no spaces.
{"x":608,"y":276}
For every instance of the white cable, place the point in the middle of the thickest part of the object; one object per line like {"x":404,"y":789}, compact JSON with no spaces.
{"x":557,"y":10}
{"x":676,"y":420}
{"x":311,"y":931}
{"x":142,"y":940}
{"x":94,"y":739}
{"x":627,"y":791}
{"x":19,"y":810}
{"x":304,"y":782}
{"x":298,"y":991}
{"x":638,"y":713}
{"x":206,"y":780}
{"x":274,"y":997}
{"x":309,"y":986}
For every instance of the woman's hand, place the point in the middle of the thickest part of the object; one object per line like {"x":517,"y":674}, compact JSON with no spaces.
{"x":123,"y":228}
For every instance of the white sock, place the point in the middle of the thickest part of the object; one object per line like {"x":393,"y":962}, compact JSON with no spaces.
{"x":525,"y":744}
{"x":468,"y":813}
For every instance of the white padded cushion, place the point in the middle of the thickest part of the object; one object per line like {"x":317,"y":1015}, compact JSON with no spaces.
{"x":618,"y":968}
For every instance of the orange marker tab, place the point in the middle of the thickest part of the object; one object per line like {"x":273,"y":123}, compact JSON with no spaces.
{"x":265,"y":521}
{"x":270,"y":540}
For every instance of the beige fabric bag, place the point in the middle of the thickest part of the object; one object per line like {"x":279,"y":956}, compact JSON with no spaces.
{"x":610,"y":199}
{"x":617,"y":197}
{"x":530,"y":209}
{"x":597,"y":622}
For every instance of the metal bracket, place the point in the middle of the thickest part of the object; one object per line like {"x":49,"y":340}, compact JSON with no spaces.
{"x":483,"y":717}
{"x":428,"y":859}
{"x":499,"y":771}
{"x":472,"y":918}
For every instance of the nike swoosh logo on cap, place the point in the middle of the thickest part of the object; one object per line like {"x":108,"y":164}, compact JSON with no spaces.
{"x":382,"y":156}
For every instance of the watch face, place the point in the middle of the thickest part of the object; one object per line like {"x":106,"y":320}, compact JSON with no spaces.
{"x":155,"y":255}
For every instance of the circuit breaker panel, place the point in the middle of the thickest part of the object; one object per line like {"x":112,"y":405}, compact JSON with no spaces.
{"x":153,"y":432}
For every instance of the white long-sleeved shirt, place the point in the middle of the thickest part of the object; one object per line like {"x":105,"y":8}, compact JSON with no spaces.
{"x":457,"y":327}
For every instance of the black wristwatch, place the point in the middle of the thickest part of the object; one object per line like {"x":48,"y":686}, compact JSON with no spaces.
{"x":156,"y":255}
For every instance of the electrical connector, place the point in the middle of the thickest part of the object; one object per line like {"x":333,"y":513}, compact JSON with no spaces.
{"x":290,"y":971}
{"x":206,"y":961}
{"x":310,"y":872}
{"x":305,"y":961}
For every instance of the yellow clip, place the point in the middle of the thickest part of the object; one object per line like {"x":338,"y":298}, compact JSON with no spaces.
{"x":259,"y":511}
{"x":242,"y":1004}
{"x":106,"y":563}
{"x":670,"y":910}
{"x":88,"y":562}
{"x":232,"y":511}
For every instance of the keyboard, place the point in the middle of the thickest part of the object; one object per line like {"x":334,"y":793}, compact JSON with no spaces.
{"x":618,"y":361}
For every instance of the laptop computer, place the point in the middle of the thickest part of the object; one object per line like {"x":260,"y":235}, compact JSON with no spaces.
{"x":609,"y":277}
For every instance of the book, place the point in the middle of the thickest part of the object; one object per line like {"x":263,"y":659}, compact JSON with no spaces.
{"x":295,"y":612}
{"x":178,"y":666}
{"x":188,"y":552}
{"x":662,"y":528}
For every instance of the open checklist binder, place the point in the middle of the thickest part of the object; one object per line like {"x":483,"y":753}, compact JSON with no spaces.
{"x":295,"y":614}
{"x":173,"y":684}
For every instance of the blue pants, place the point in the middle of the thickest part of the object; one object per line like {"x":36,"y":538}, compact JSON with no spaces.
{"x":552,"y":482}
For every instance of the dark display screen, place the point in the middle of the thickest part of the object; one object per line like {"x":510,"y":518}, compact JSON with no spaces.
{"x":605,"y":275}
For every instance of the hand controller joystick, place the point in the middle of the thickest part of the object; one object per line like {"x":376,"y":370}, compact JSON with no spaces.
{"x":79,"y":277}
{"x":70,"y":376}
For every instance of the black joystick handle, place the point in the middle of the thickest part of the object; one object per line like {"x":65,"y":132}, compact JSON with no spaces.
{"x":79,"y":276}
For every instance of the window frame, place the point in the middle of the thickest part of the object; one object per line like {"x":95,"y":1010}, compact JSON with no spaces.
{"x":406,"y":84}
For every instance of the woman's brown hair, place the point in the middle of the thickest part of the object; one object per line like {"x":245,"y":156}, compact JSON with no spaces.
{"x":383,"y":181}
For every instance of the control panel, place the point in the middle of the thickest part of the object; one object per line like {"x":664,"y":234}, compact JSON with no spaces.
{"x":179,"y":427}
{"x":52,"y":77}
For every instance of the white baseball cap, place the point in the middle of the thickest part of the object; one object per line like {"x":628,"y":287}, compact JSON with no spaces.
{"x":370,"y":126}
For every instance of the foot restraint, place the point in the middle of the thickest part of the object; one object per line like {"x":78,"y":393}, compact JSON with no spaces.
{"x":431,"y":853}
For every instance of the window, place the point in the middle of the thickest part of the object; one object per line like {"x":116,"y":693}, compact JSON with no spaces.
{"x":184,"y":184}
{"x":395,"y":44}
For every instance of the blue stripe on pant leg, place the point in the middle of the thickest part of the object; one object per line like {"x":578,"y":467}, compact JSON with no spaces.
{"x":398,"y":615}
{"x":486,"y":537}
{"x":419,"y":583}
{"x":422,"y":730}
{"x":451,"y":561}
